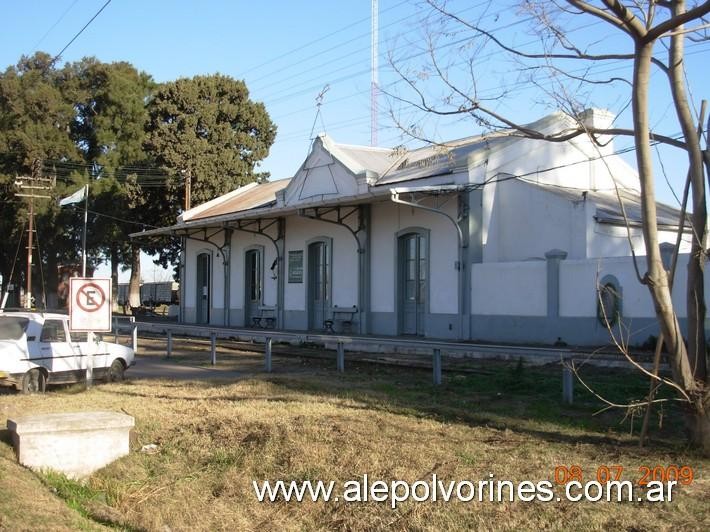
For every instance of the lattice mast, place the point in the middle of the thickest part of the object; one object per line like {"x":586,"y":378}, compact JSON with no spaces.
{"x":373,"y":72}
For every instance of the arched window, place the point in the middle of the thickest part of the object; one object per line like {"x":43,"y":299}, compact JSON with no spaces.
{"x":609,"y":299}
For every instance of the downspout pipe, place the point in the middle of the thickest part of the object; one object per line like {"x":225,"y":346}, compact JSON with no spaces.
{"x":395,"y":198}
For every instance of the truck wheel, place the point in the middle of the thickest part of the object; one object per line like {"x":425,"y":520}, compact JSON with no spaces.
{"x":34,"y":381}
{"x":115,"y":372}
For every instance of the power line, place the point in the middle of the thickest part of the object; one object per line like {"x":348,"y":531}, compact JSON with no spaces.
{"x":34,"y":47}
{"x":315,"y":41}
{"x":254,"y":83}
{"x":80,"y":31}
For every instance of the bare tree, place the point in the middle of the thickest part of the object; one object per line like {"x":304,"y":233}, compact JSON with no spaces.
{"x":654,"y":33}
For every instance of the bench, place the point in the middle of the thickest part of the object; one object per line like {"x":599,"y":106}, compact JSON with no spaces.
{"x":343,"y":316}
{"x":266,"y":318}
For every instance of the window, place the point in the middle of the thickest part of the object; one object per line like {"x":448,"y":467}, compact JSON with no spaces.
{"x":609,"y":301}
{"x":12,"y":327}
{"x":53,"y":331}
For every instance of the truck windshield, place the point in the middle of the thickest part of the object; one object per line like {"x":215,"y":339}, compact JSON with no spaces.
{"x":12,"y":327}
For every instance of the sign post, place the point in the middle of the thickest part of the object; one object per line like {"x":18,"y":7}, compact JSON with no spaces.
{"x":89,"y":312}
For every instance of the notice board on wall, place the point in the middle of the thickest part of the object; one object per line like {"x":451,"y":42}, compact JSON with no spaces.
{"x":295,"y":266}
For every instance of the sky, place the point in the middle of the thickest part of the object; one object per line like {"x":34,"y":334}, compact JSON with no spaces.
{"x":289,"y":52}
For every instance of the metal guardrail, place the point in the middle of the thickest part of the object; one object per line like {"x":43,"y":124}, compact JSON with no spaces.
{"x":436,"y":348}
{"x":119,"y":323}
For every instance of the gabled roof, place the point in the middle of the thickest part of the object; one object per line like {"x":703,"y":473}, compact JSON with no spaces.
{"x":334,"y":174}
{"x":361,"y":159}
{"x":251,"y":196}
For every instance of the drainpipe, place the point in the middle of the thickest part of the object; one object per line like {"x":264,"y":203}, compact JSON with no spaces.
{"x":226,"y":261}
{"x":183,"y":277}
{"x":460,"y":266}
{"x":281,"y":274}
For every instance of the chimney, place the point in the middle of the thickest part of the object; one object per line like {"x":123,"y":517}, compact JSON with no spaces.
{"x":599,"y":119}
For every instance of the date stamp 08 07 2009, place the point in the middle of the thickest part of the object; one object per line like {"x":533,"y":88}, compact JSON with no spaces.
{"x":684,"y":475}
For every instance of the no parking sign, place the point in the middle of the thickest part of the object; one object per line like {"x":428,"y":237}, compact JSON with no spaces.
{"x":89,"y":304}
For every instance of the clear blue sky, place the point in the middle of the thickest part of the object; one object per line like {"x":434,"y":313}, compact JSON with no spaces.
{"x":288,"y":51}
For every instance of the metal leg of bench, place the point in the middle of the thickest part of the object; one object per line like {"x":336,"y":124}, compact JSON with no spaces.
{"x":267,"y":355}
{"x":340,"y":359}
{"x":213,"y":347}
{"x":437,"y":367}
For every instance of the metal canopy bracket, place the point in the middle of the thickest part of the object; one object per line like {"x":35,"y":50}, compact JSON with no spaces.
{"x":342,"y":213}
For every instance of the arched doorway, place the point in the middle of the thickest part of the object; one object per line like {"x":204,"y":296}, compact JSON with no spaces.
{"x":203,"y":288}
{"x":253,"y":284}
{"x":413,"y":281}
{"x":319,"y":282}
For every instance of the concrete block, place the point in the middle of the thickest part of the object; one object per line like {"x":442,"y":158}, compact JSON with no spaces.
{"x":74,"y":443}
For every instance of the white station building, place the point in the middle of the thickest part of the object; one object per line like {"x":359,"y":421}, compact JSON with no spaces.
{"x":493,"y":238}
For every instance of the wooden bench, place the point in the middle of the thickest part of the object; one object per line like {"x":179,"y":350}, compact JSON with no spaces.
{"x":266,"y":318}
{"x":342,"y":316}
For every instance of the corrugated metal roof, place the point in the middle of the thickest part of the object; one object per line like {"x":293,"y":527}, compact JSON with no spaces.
{"x":258,"y":196}
{"x":447,"y":158}
{"x":363,"y":158}
{"x":607,"y":205}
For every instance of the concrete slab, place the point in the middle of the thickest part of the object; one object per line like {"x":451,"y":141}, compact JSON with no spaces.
{"x":73,"y":443}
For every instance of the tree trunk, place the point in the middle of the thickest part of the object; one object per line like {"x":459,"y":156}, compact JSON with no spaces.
{"x":134,"y":284}
{"x":114,"y":277}
{"x":656,"y":277}
{"x":696,"y":262}
{"x":700,"y":431}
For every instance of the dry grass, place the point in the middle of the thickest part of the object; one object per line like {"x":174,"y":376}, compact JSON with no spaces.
{"x":215,"y":438}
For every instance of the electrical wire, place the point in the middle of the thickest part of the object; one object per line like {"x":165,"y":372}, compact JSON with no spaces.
{"x":306,"y":45}
{"x":64,"y":14}
{"x":80,"y":32}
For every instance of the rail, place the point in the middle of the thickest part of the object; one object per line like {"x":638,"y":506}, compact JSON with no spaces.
{"x":435,"y":348}
{"x":119,"y":323}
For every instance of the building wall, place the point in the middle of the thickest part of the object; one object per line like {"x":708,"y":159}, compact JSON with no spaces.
{"x":526,"y":221}
{"x":193,"y":249}
{"x":388,"y":220}
{"x":344,"y":282}
{"x":241,"y":243}
{"x":510,"y":302}
{"x":509,"y":288}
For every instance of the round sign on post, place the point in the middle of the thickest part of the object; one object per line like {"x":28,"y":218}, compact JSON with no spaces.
{"x":89,"y":304}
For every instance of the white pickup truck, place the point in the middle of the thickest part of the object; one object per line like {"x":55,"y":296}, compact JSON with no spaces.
{"x":37,"y":349}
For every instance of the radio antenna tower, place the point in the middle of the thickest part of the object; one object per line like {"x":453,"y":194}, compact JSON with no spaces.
{"x":373,"y":74}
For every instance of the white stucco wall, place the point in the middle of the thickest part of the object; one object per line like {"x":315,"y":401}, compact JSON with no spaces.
{"x":299,"y":231}
{"x":241,"y":242}
{"x":525,"y":222}
{"x":578,"y":281}
{"x":194,"y":248}
{"x":387,"y":220}
{"x":509,"y":288}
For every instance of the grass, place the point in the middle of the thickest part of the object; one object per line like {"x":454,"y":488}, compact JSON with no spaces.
{"x":308,"y":422}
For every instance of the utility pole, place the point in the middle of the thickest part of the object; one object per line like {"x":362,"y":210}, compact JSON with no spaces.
{"x":188,"y":188}
{"x":32,"y":185}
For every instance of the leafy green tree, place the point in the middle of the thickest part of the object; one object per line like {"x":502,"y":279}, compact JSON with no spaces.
{"x":206,"y":128}
{"x":109,"y":127}
{"x":207,"y":131}
{"x":34,"y":128}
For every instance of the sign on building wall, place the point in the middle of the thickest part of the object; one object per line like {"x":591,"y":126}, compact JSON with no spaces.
{"x":89,"y":304}
{"x":295,"y":266}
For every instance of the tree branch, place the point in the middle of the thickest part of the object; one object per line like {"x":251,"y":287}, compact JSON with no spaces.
{"x":678,"y":20}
